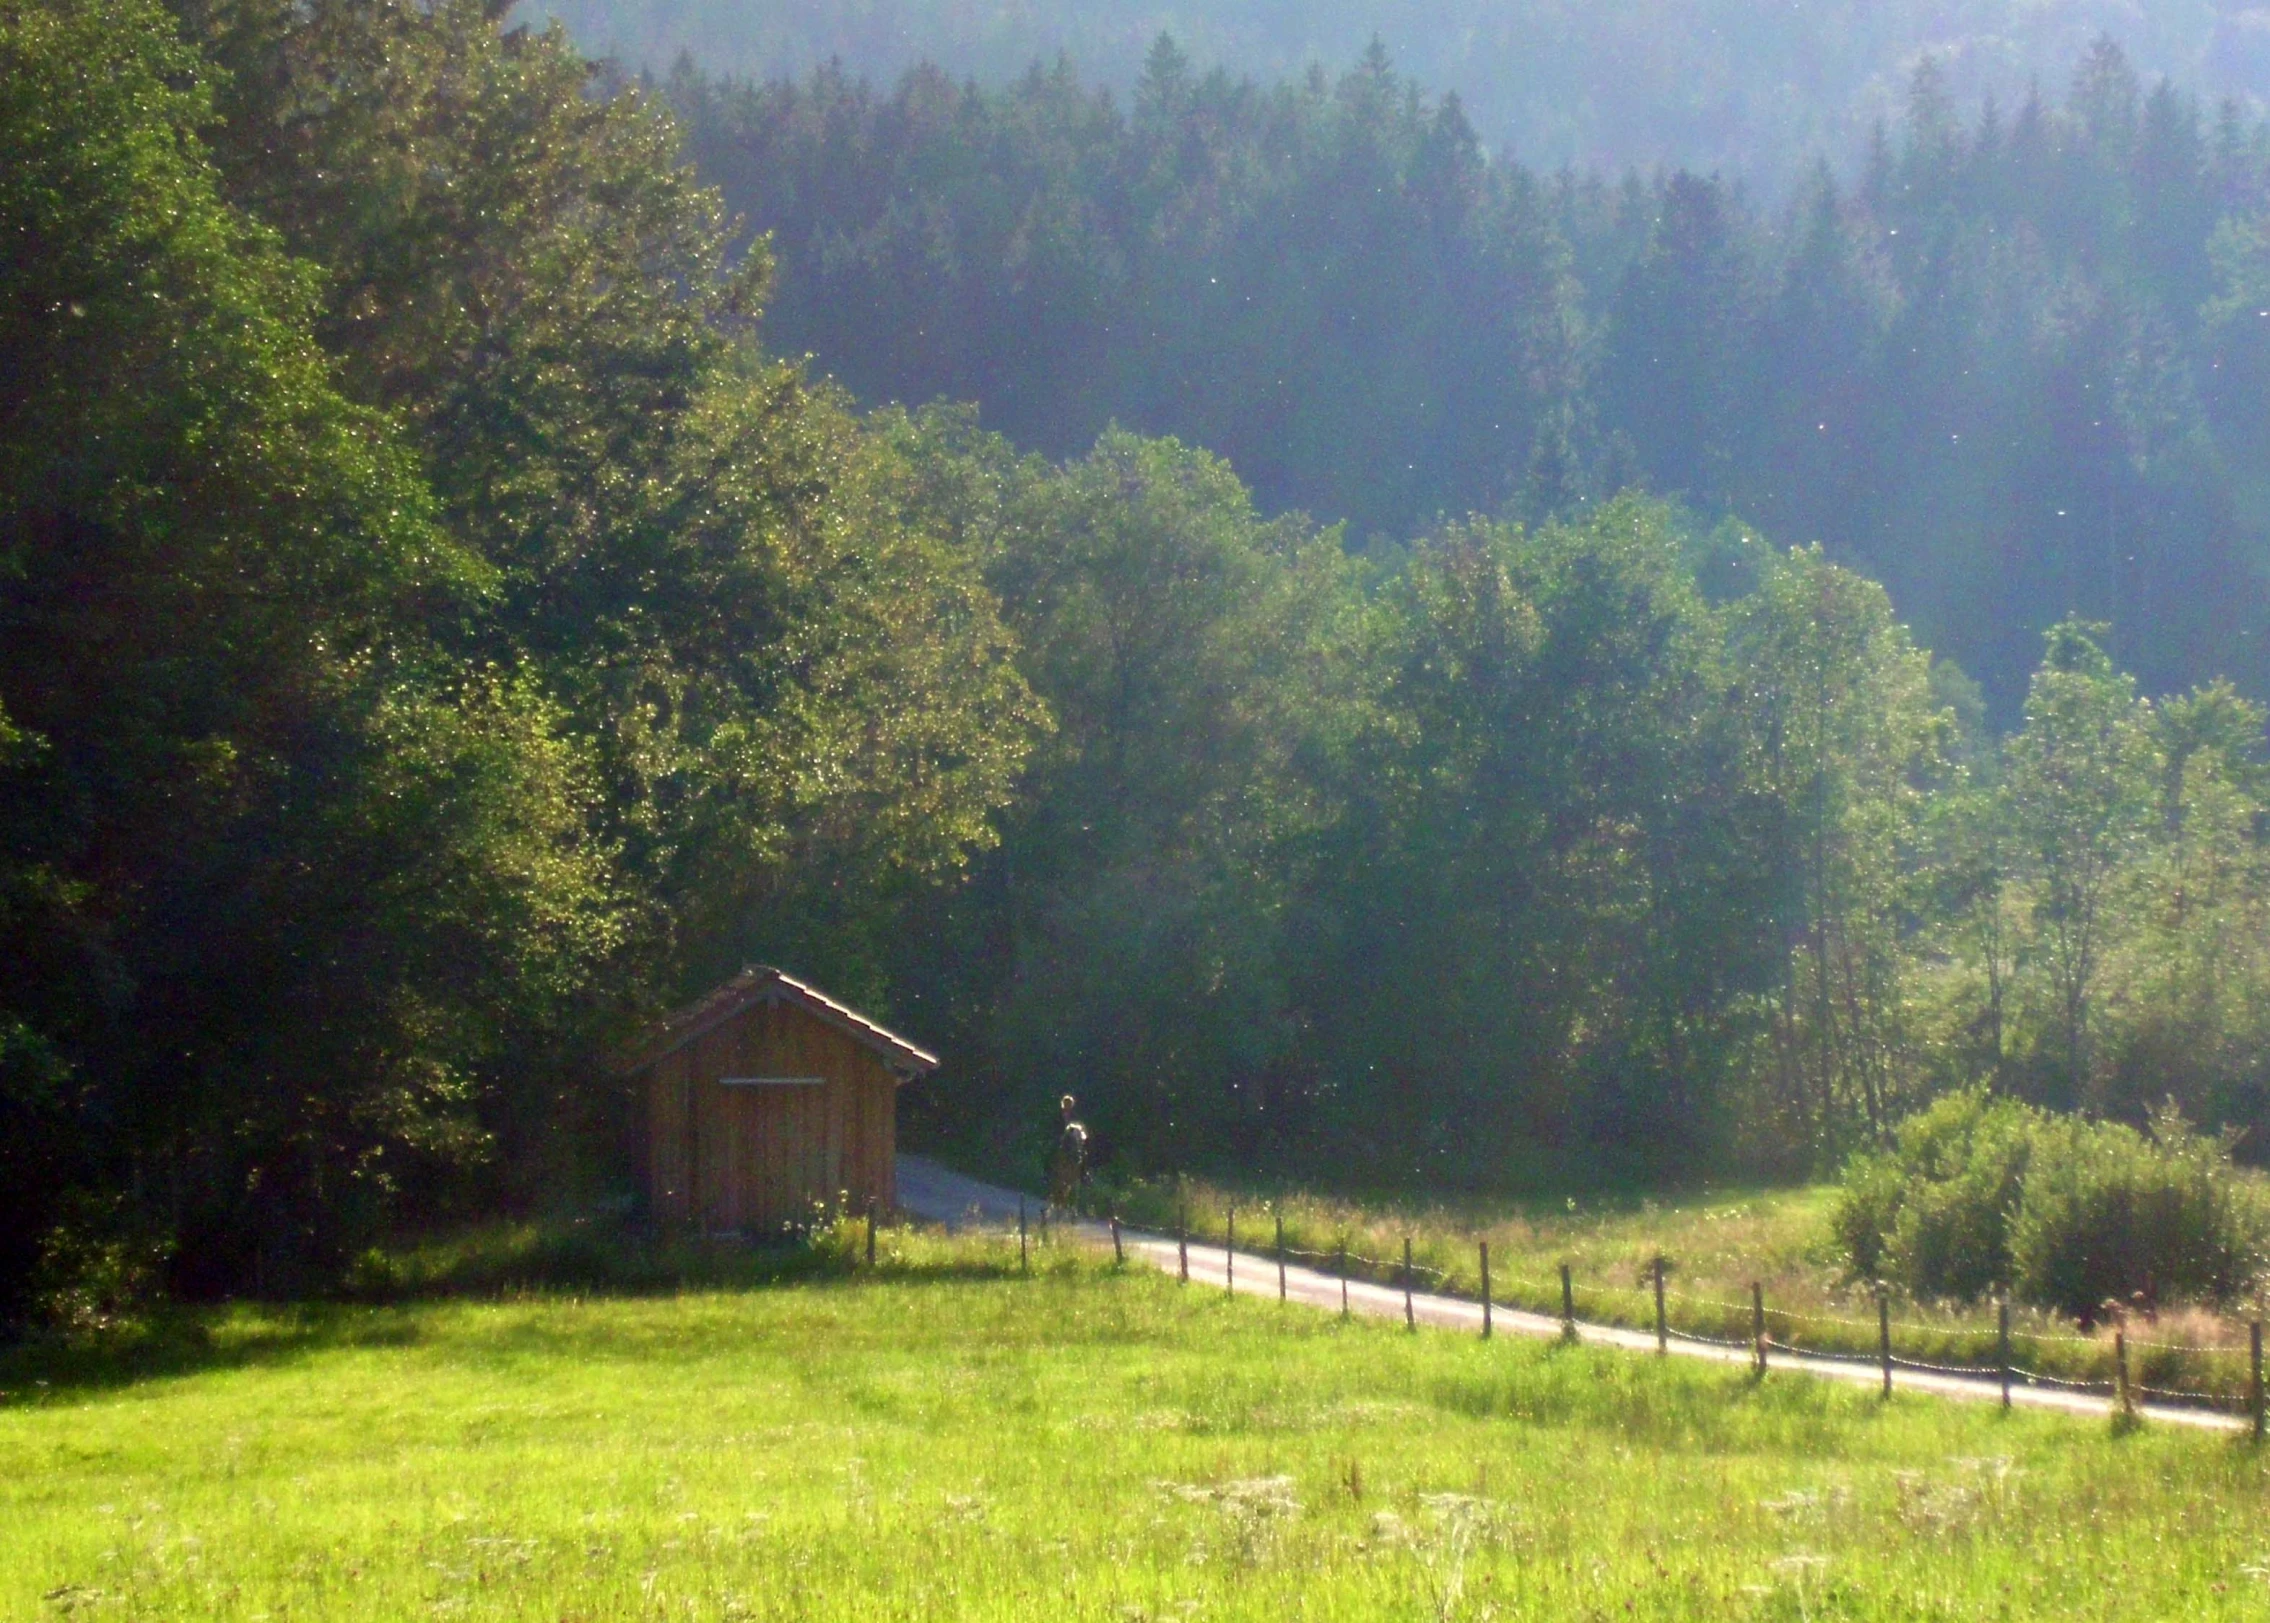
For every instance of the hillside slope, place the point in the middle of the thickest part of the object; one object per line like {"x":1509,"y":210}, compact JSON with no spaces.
{"x":1709,"y":83}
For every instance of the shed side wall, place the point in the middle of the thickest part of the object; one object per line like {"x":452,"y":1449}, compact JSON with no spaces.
{"x":755,"y":1159}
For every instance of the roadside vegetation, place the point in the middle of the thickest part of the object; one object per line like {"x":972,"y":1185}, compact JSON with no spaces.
{"x":944,"y":1439}
{"x":2168,"y":1235}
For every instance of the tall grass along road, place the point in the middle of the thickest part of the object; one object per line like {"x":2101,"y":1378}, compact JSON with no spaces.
{"x":936,"y":1193}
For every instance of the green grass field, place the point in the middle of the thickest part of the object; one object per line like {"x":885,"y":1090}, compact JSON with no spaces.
{"x":939,"y":1440}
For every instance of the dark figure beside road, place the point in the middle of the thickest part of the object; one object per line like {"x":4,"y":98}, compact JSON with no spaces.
{"x":1068,"y":1164}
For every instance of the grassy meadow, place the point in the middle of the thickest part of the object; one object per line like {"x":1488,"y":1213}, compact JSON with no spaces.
{"x":943,"y":1439}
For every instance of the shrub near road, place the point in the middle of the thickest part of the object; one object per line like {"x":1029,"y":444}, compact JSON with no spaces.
{"x":948,"y":1440}
{"x":2067,"y":1213}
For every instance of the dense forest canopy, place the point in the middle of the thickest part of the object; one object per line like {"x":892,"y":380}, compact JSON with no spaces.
{"x":1752,"y":88}
{"x":430,"y":626}
{"x":437,"y":628}
{"x":2012,"y":365}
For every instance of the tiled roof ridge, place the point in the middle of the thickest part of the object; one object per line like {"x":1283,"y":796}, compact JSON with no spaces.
{"x":674,"y":1031}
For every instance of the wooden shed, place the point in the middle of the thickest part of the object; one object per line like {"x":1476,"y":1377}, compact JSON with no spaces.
{"x":767,"y":1101}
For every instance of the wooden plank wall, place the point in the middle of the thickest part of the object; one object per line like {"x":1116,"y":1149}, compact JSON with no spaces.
{"x":760,"y":1158}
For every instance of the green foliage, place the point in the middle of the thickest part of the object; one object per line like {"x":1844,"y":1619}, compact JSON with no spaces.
{"x":610,"y":1256}
{"x":698,"y":552}
{"x":1535,"y":930}
{"x":1843,"y":736}
{"x":432,"y":634}
{"x":1282,"y":252}
{"x":2110,"y":1215}
{"x":1935,"y":1213}
{"x":1130,"y":934}
{"x":2070,"y":1214}
{"x":2078,"y":790}
{"x":100,"y":1273}
{"x":2010,"y":365}
{"x":1725,"y":85}
{"x":224,"y":585}
{"x":435,"y":632}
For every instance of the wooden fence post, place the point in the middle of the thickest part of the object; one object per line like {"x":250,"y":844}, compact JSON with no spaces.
{"x":1884,"y":1335}
{"x":1024,"y":1265}
{"x":1280,"y":1256}
{"x":1568,"y":1305}
{"x":1229,"y":1256}
{"x":1182,"y":1243}
{"x":2120,"y":1373}
{"x":2254,"y":1376}
{"x":1758,"y":1323}
{"x":870,"y":1231}
{"x":1118,"y":1251}
{"x":1662,"y":1324}
{"x":1410,"y":1317}
{"x":2002,"y":1345}
{"x":1485,"y":1290}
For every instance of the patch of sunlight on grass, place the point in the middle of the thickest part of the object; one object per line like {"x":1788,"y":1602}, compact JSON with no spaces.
{"x":944,"y":1441}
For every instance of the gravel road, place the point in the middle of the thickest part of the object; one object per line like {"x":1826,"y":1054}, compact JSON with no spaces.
{"x":937,"y":1194}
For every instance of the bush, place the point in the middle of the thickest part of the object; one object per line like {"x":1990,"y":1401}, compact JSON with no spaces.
{"x":1982,"y":1192}
{"x":2110,"y":1214}
{"x":100,"y":1271}
{"x":1866,"y":1209}
{"x":1934,"y":1214}
{"x":604,"y":1255}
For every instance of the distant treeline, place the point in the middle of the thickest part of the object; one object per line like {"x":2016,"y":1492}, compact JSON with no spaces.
{"x":435,"y":634}
{"x":2015,"y":367}
{"x":1755,"y":87}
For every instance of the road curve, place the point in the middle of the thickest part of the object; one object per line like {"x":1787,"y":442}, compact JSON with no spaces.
{"x":938,"y":1194}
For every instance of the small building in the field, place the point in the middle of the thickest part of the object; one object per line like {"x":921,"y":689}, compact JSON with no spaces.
{"x":766,"y":1102}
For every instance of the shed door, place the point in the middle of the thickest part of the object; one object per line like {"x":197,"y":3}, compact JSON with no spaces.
{"x":781,"y":1152}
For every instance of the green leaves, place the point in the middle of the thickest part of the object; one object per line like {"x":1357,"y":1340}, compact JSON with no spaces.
{"x":224,"y":581}
{"x":1986,"y":1194}
{"x":433,"y":632}
{"x":1196,"y":660}
{"x":2078,"y":786}
{"x":419,"y":655}
{"x":1842,"y":736}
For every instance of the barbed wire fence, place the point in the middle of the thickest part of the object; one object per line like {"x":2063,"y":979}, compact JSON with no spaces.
{"x":1700,"y":1320}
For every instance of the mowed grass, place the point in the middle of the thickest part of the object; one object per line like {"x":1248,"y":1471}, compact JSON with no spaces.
{"x":932,"y":1441}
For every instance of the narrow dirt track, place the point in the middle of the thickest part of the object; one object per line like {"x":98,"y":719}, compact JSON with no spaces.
{"x":936,"y":1194}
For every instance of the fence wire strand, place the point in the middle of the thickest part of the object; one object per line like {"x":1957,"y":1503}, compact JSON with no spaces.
{"x":1544,"y":1299}
{"x":1700,"y":1339}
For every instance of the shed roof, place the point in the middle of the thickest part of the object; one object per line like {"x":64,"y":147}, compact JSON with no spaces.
{"x":764,"y":984}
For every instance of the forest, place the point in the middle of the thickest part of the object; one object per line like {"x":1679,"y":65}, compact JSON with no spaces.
{"x":442,"y":622}
{"x":1745,"y":86}
{"x":2011,"y":364}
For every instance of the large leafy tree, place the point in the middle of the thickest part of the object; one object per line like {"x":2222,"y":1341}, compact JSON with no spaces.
{"x":1130,"y":937}
{"x":789,"y":690}
{"x":434,"y":629}
{"x":2187,"y":976}
{"x":1843,"y":731}
{"x":2078,"y":787}
{"x":281,"y":875}
{"x":1546,"y":883}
